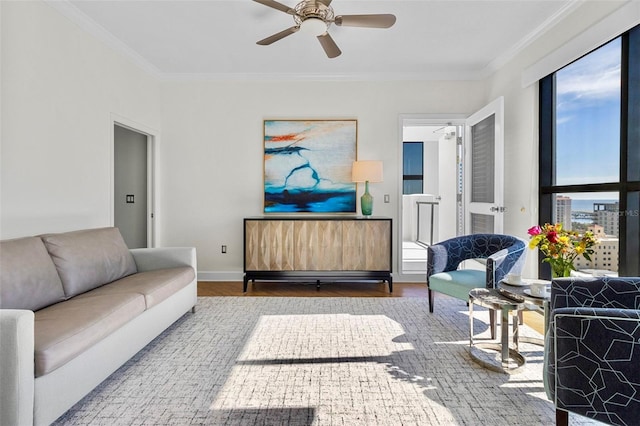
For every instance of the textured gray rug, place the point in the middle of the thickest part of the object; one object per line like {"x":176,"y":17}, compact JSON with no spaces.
{"x":317,"y":361}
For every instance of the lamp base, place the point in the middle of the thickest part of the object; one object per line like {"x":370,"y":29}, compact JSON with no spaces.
{"x":366,"y":201}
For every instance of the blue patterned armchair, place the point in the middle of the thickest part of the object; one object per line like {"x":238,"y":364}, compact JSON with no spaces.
{"x":592,"y":351}
{"x":504,"y":254}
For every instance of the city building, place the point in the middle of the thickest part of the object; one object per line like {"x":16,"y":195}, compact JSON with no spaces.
{"x":607,"y":215}
{"x":563,"y":211}
{"x":605,"y":256}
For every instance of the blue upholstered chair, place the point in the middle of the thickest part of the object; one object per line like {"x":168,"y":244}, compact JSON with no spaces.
{"x":504,"y":254}
{"x":592,"y":350}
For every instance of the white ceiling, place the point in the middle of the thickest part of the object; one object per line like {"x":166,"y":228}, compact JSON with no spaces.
{"x":431,"y":39}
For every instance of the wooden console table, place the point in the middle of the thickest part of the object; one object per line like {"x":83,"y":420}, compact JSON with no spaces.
{"x":319,"y":248}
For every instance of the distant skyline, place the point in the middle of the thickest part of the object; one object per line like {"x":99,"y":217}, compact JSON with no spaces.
{"x":591,"y":195}
{"x":588,"y":119}
{"x":587,"y":205}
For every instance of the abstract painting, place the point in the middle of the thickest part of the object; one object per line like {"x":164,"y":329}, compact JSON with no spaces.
{"x":307,"y":166}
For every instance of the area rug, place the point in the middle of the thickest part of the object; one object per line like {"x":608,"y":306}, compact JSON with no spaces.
{"x":318,"y":361}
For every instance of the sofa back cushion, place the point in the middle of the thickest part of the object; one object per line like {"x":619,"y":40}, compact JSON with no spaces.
{"x":28,"y":277}
{"x":89,"y":258}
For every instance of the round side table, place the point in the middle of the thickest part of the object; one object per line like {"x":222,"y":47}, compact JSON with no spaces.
{"x":511,"y":359}
{"x":532,"y":303}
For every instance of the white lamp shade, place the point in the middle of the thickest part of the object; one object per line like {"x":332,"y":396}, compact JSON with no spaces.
{"x":367,"y":170}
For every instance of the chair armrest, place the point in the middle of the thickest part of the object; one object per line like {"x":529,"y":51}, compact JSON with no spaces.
{"x":17,"y":373}
{"x":592,"y":362}
{"x":149,"y":259}
{"x":437,"y":257}
{"x":507,"y":261}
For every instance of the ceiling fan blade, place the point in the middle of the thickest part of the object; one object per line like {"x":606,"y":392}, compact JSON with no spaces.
{"x":325,"y":2}
{"x":278,"y":36}
{"x":369,"y":21}
{"x":330,"y":47}
{"x":279,"y":6}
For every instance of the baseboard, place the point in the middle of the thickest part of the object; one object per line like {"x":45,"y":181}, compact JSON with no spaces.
{"x":220,"y":276}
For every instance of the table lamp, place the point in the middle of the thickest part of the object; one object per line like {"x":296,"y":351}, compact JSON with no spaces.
{"x":366,"y":171}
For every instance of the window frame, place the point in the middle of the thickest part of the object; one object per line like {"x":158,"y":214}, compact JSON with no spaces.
{"x":406,"y":177}
{"x":628,"y":186}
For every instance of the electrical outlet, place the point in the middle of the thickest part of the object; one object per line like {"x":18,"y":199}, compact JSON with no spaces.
{"x":224,"y":249}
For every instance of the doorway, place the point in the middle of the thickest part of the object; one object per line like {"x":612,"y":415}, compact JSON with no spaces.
{"x":453,"y":201}
{"x":133,"y":185}
{"x":431,"y":205}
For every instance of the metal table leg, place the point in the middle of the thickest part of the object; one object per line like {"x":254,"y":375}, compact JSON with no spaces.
{"x":508,"y":355}
{"x":504,"y":331}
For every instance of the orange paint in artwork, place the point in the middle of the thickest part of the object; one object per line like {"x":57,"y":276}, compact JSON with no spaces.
{"x":281,"y":138}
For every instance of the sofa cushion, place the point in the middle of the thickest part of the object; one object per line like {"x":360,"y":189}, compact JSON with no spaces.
{"x":65,"y":330}
{"x":155,"y":286}
{"x":28,"y":277}
{"x":89,"y":258}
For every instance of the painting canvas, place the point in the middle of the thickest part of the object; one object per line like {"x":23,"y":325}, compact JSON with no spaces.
{"x":307,"y":166}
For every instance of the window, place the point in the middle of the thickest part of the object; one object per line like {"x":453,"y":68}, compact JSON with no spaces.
{"x":590,"y":152}
{"x":412,"y":167}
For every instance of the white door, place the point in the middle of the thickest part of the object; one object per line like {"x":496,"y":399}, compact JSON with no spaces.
{"x":484,"y":170}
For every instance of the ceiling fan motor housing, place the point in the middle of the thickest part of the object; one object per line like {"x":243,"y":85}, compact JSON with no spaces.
{"x":313,"y":9}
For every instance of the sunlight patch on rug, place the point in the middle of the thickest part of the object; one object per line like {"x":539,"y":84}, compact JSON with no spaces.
{"x":327,"y":363}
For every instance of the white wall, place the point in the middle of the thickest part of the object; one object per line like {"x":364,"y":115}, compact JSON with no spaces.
{"x":59,"y":89}
{"x":212,"y":150}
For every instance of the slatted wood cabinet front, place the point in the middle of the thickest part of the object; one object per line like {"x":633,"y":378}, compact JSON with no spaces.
{"x":329,"y":248}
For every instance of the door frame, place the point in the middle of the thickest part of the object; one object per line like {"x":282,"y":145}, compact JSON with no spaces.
{"x":414,"y":120}
{"x":153,"y":138}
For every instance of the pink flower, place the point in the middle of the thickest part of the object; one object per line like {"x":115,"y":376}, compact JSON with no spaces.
{"x":535,"y":230}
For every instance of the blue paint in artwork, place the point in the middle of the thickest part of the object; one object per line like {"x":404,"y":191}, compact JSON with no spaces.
{"x":317,"y":202}
{"x":339,"y":203}
{"x":287,"y":150}
{"x":314,"y":174}
{"x":308,"y":167}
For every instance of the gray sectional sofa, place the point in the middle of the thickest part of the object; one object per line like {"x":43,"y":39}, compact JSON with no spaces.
{"x":74,"y":307}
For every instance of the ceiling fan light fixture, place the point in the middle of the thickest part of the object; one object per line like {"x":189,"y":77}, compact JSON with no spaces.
{"x":316,"y":16}
{"x":313,"y":26}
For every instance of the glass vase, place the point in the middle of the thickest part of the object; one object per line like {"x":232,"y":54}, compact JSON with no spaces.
{"x":559,"y":270}
{"x":366,"y":201}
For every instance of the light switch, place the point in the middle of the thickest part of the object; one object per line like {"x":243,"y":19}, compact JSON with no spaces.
{"x":386,"y":198}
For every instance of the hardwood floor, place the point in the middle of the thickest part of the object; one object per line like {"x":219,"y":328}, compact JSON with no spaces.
{"x":288,"y":289}
{"x":337,"y":289}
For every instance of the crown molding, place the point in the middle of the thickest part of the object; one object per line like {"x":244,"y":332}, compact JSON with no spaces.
{"x":75,"y":15}
{"x":523,"y":43}
{"x":288,"y":77}
{"x":601,"y":32}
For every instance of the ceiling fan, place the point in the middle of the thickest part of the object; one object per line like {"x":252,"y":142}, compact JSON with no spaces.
{"x":315,"y":17}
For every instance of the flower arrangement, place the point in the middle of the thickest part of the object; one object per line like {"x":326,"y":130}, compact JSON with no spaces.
{"x":561,"y":247}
